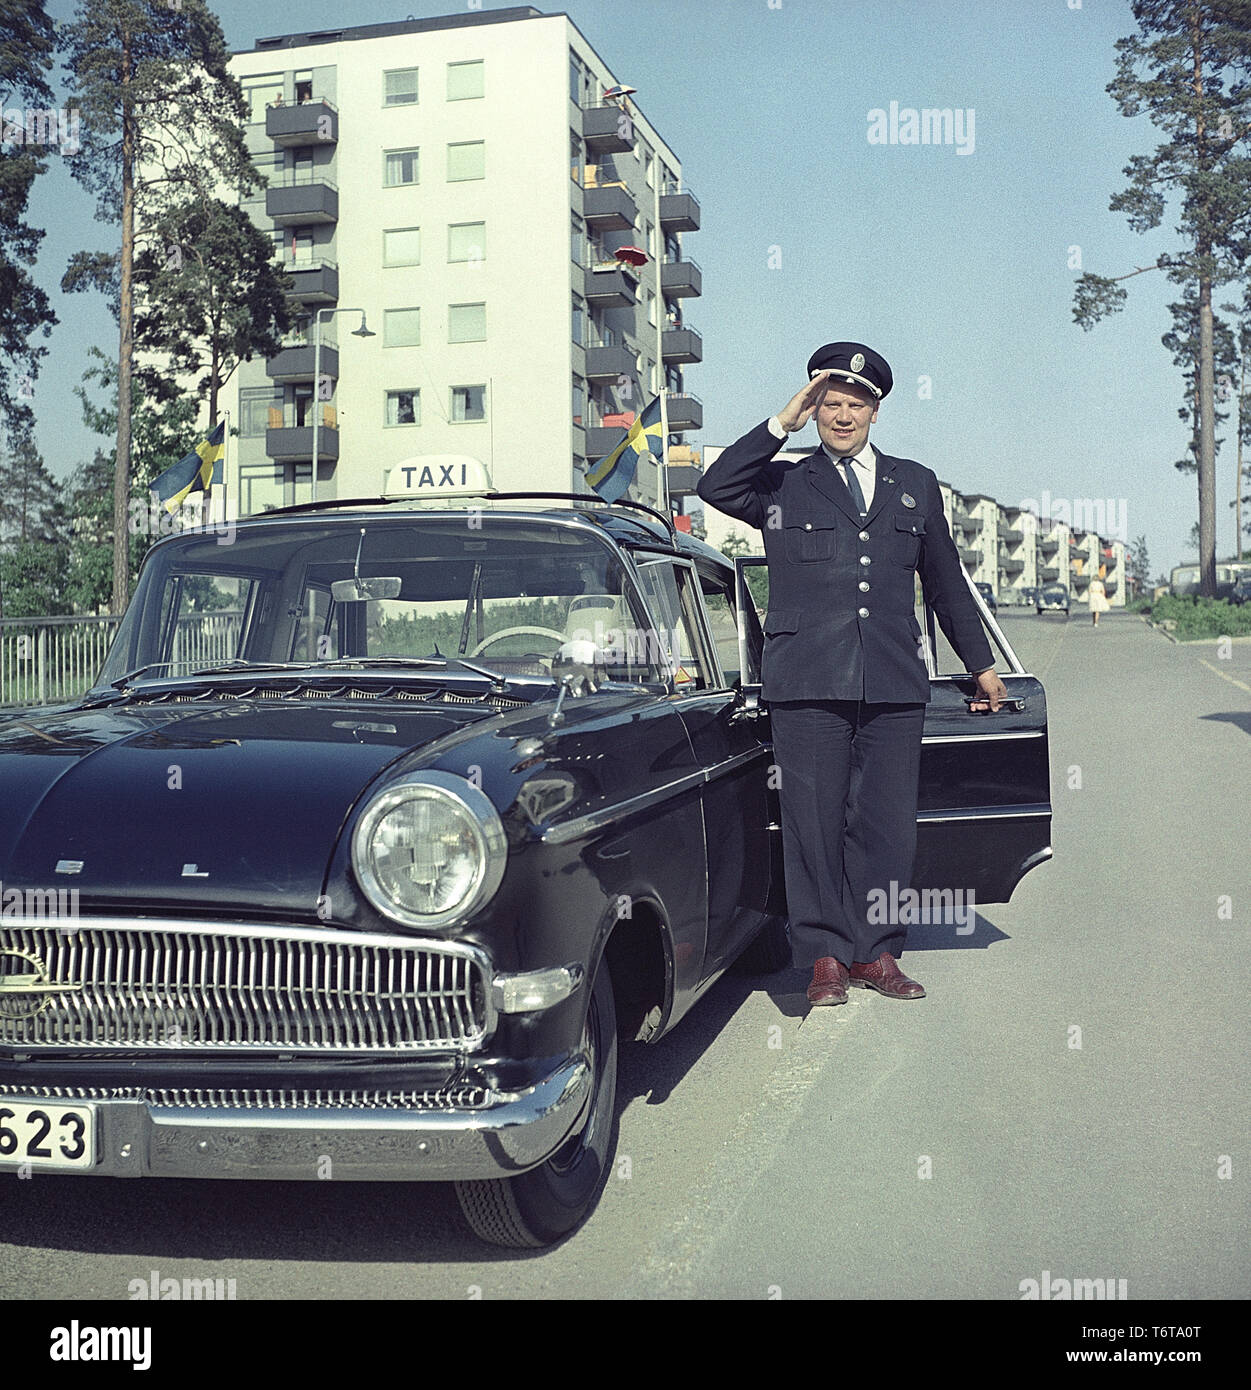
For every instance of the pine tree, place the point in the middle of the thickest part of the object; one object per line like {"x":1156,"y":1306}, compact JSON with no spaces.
{"x":1187,"y":68}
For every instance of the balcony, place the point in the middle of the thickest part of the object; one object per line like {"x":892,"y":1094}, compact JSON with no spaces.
{"x":607,"y":362}
{"x":970,"y":554}
{"x":1049,"y":545}
{"x":1079,"y":581}
{"x":682,"y":345}
{"x":611,"y":285}
{"x":602,"y":439}
{"x":684,"y":413}
{"x":1010,"y":566}
{"x":316,"y":282}
{"x":1110,"y":559}
{"x":1011,"y":534}
{"x":289,"y":442}
{"x":308,"y":123}
{"x":967,"y":523}
{"x":303,"y":203}
{"x":605,"y":129}
{"x":679,"y":212}
{"x":608,"y":208}
{"x":295,"y":362}
{"x":1049,"y":572}
{"x":682,"y":480}
{"x":678,"y":278}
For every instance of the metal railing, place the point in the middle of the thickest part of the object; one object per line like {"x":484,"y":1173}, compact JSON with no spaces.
{"x":49,"y":661}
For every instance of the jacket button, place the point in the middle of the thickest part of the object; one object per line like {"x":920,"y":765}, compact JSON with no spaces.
{"x":864,"y":586}
{"x":864,"y":560}
{"x":864,"y":535}
{"x":864,"y":612}
{"x":807,"y":525}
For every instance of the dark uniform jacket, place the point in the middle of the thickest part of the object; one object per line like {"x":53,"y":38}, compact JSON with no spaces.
{"x":841,"y":622}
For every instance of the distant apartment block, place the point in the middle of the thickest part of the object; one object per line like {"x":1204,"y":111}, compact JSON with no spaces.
{"x":466,"y":184}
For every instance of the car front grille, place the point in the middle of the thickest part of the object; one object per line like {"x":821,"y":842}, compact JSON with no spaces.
{"x":192,"y":987}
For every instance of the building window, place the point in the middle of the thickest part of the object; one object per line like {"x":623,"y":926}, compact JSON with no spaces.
{"x":465,"y":80}
{"x":466,"y":323}
{"x":255,"y":404}
{"x":651,"y":308}
{"x":466,"y":241}
{"x":575,"y":79}
{"x":401,"y":246}
{"x":404,"y":407}
{"x":466,"y":161}
{"x":579,"y":400}
{"x":577,"y":241}
{"x":575,"y":157}
{"x":401,"y":328}
{"x":401,"y":168}
{"x":259,"y":92}
{"x":468,"y":403}
{"x":294,"y":245}
{"x":303,"y":86}
{"x":300,"y":170}
{"x":399,"y":87}
{"x":649,"y":167}
{"x":578,"y":313}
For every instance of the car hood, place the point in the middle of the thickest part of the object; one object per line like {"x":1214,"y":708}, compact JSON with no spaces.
{"x":197,"y":806}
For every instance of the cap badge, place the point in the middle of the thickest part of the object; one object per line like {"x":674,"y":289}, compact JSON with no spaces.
{"x":857,"y":362}
{"x":908,"y":500}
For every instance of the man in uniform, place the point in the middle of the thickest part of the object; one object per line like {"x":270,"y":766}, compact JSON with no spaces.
{"x":845,"y":529}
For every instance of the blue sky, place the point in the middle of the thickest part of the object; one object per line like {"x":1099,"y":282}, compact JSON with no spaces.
{"x":956,"y":267}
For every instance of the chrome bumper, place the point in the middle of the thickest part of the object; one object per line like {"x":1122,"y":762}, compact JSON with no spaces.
{"x":507,"y":1134}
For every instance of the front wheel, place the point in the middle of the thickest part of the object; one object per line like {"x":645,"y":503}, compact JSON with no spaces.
{"x":539,"y":1207}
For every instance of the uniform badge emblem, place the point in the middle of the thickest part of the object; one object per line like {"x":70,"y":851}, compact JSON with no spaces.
{"x":908,"y":500}
{"x":857,"y":362}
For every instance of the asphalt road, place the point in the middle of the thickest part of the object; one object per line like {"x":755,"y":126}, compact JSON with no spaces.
{"x":1066,"y":1099}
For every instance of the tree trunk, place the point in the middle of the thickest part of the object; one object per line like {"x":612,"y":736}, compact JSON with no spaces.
{"x":121,"y":471}
{"x":1207,"y":374}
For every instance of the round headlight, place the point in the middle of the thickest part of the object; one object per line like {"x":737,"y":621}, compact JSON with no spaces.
{"x":429,"y":849}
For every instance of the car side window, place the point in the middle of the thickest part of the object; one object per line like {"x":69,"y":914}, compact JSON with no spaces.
{"x":722,"y":623}
{"x":673,"y":599}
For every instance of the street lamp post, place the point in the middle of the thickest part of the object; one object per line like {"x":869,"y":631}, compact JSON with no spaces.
{"x":362,"y":332}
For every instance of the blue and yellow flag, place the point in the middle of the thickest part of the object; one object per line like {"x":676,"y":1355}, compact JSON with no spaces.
{"x":612,"y":475}
{"x":195,"y":473}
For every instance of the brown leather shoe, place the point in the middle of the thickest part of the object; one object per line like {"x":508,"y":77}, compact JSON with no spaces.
{"x":885,"y":976}
{"x":829,"y":982}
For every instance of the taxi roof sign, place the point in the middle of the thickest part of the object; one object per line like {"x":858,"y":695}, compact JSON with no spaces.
{"x":437,"y":476}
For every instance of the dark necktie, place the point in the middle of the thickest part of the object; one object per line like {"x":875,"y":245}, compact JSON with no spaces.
{"x":853,"y":486}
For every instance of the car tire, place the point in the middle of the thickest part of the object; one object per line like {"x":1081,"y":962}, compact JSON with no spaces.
{"x":768,"y":951}
{"x":544,"y":1205}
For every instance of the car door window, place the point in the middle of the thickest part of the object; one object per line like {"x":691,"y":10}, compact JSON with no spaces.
{"x":672,"y":594}
{"x":722,"y":623}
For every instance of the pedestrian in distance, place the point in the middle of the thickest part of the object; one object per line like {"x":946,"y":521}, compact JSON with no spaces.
{"x":1097,"y":597}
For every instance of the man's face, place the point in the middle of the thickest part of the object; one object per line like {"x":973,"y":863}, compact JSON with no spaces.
{"x":844,"y":417}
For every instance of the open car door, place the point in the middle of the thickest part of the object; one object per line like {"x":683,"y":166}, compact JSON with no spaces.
{"x":984,"y":809}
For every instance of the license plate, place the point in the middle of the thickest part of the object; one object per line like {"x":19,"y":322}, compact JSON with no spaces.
{"x":46,"y":1134}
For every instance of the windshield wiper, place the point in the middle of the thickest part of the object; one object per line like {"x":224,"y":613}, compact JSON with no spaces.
{"x":137,"y":672}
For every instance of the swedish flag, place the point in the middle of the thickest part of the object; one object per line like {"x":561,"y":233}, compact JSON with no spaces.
{"x":612,"y":475}
{"x":195,"y":473}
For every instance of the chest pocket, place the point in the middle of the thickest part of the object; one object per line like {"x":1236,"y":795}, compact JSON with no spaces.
{"x":809,"y":542}
{"x":905,"y":541}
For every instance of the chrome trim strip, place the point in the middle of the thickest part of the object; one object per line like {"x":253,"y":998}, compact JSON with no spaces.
{"x":1027,"y":811}
{"x":982,"y":738}
{"x":587,"y":824}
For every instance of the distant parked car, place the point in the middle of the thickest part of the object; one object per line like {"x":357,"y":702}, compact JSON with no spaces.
{"x":988,"y":594}
{"x":1241,"y":592}
{"x":1053,"y":598}
{"x":1029,"y":595}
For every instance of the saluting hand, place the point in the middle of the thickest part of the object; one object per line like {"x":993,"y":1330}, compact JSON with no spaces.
{"x":804,"y":403}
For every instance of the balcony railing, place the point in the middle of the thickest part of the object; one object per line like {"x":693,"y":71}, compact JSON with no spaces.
{"x":310,"y":122}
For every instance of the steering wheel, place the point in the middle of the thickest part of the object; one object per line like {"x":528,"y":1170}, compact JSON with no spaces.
{"x":517,"y":631}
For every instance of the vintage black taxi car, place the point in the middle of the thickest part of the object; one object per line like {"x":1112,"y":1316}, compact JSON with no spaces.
{"x":385,"y":821}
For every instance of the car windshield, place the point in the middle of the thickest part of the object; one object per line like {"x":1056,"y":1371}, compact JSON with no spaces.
{"x":502,"y":592}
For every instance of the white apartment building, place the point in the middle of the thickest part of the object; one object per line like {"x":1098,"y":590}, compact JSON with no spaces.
{"x":464,"y":184}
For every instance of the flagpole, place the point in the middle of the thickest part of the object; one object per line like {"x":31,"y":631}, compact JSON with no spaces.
{"x":662,"y":379}
{"x":225,"y":464}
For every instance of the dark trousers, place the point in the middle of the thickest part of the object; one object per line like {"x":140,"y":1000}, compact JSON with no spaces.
{"x":849,"y":773}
